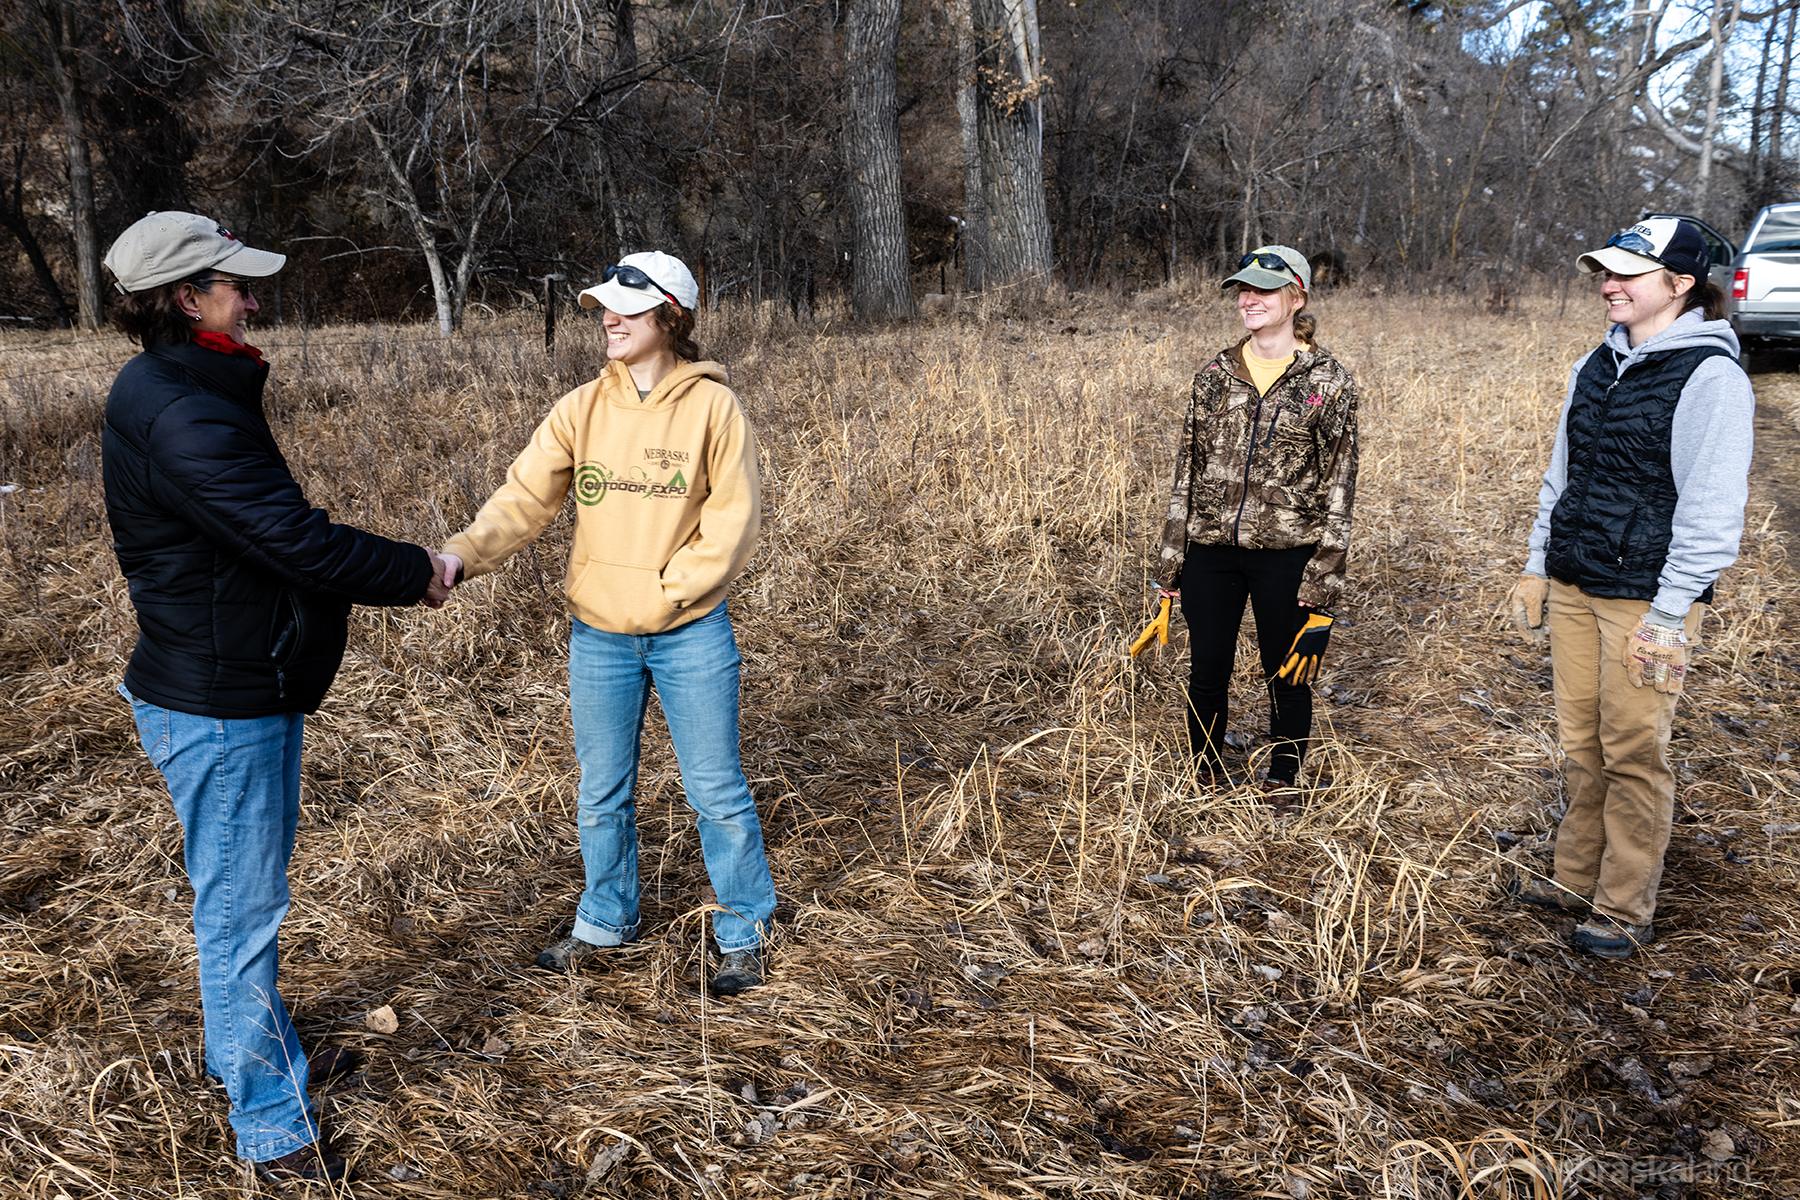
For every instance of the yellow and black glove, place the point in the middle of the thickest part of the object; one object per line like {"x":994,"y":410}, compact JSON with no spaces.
{"x":1157,"y":631}
{"x":1304,"y":656}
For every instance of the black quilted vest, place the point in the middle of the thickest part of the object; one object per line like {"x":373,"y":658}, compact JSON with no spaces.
{"x":1611,"y":527}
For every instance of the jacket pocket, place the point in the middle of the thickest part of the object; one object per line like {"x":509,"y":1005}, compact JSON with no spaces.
{"x":287,"y":630}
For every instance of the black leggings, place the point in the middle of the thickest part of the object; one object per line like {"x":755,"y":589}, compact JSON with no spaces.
{"x":1215,"y":580}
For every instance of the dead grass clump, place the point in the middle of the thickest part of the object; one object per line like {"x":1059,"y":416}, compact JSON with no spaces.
{"x":1018,"y":953}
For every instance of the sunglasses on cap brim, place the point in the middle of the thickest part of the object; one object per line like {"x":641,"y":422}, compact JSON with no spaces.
{"x":1636,"y":243}
{"x":1269,"y":262}
{"x":636,"y":280}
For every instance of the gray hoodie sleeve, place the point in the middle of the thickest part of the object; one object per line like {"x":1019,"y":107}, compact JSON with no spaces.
{"x":1709,"y":455}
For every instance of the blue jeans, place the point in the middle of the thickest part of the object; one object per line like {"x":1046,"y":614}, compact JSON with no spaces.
{"x":236,"y":788}
{"x":695,"y":670}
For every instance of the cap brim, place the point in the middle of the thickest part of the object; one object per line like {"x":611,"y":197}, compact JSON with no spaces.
{"x":627,"y":302}
{"x":1262,"y":277}
{"x":251,"y":263}
{"x":1616,"y":259}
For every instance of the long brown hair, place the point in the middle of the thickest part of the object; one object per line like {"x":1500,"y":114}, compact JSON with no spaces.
{"x":678,"y":323}
{"x":1705,"y":295}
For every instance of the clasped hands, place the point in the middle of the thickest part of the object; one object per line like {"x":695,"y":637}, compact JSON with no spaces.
{"x":444,"y":571}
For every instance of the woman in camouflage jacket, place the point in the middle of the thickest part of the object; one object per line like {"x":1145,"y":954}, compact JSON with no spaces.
{"x":1260,"y":510}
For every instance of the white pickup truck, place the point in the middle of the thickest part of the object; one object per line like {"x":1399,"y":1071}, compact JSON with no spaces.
{"x":1765,"y":286}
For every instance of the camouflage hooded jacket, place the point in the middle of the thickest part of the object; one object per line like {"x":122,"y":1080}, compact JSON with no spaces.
{"x":1270,"y":472}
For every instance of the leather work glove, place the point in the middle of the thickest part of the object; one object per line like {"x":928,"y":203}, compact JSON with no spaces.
{"x":1528,"y":597}
{"x":1157,"y":630}
{"x":1656,"y":656}
{"x":1302,"y":665}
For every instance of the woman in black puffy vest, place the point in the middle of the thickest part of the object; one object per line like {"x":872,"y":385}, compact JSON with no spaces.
{"x":1641,"y":508}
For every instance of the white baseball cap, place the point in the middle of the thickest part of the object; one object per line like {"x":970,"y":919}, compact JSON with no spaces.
{"x":640,"y":282}
{"x":166,"y":247}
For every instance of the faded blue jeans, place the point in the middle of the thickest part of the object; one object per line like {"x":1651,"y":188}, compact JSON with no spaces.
{"x":236,"y":789}
{"x":695,"y":670}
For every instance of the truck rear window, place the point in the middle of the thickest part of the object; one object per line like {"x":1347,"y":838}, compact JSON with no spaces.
{"x":1780,"y":231}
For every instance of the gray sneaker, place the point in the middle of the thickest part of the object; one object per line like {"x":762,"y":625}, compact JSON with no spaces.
{"x":738,"y":971}
{"x":1610,"y":938}
{"x":565,"y":954}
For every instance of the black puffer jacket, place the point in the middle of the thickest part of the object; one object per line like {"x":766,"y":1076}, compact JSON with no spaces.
{"x":242,"y":589}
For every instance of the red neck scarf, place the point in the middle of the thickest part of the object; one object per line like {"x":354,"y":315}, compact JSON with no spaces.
{"x":224,"y":345}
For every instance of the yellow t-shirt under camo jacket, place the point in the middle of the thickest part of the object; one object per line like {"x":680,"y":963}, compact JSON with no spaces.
{"x":668,"y":504}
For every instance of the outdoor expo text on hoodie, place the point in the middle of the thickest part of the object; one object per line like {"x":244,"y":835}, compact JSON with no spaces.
{"x":668,"y":503}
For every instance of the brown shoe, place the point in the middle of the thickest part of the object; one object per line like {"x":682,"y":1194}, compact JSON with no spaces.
{"x":328,"y":1064}
{"x":1281,"y":795}
{"x":1542,"y":893}
{"x":314,"y":1163}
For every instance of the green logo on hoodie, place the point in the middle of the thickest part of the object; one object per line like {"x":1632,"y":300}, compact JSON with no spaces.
{"x":590,"y":483}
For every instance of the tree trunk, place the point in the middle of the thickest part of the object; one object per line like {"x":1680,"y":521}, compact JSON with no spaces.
{"x":1759,"y":106}
{"x":1009,"y":120}
{"x":880,"y":270}
{"x":1721,"y":34}
{"x":974,"y":228}
{"x":65,"y":72}
{"x":12,"y":216}
{"x":1776,"y":168}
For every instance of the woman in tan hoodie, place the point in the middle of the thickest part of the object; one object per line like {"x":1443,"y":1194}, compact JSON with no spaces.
{"x":663,"y":467}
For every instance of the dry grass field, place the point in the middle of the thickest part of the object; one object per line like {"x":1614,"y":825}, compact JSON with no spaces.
{"x":1018,"y":955}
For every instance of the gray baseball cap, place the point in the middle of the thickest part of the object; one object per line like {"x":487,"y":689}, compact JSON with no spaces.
{"x":1271,"y":268}
{"x":167,"y":247}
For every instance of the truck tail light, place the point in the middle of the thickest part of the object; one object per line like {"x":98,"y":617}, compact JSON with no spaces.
{"x":1740,"y":284}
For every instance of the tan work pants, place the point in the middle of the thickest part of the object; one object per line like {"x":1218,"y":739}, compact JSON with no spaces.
{"x":1615,"y":741}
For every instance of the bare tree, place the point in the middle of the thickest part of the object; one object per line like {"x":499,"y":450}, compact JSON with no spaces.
{"x":59,"y":37}
{"x":1719,"y":26}
{"x":974,"y":216}
{"x":1009,"y":90}
{"x":880,"y":273}
{"x":437,"y":106}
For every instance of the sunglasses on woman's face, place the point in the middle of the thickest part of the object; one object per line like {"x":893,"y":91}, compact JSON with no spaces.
{"x":635,"y":279}
{"x":1268,"y":262}
{"x":241,"y":286}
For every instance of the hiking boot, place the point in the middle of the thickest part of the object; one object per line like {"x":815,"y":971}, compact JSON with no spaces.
{"x":314,"y":1163}
{"x":1544,"y":894}
{"x":565,"y":954}
{"x":328,"y":1064}
{"x":1609,"y":938}
{"x":1281,"y":795}
{"x":738,"y":971}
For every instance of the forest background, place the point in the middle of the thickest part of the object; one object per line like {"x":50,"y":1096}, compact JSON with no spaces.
{"x":412,"y":158}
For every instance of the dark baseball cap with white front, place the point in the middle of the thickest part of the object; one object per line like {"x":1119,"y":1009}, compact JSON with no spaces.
{"x":1651,"y":243}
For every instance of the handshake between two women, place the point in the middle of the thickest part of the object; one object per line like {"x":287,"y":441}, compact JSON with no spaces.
{"x":445,"y":570}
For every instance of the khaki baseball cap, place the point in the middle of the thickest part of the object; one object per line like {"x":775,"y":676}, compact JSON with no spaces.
{"x":1272,"y":268}
{"x":166,"y":247}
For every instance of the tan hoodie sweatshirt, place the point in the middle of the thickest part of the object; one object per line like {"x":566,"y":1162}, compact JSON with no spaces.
{"x":667,"y":499}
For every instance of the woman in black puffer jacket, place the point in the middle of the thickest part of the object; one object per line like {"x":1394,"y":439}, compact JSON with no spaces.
{"x":243,"y":593}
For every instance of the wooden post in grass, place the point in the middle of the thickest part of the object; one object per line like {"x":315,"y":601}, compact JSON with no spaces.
{"x":550,"y":282}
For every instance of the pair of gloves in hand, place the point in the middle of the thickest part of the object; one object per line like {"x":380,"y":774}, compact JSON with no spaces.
{"x":1303,"y":657}
{"x":1653,"y":654}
